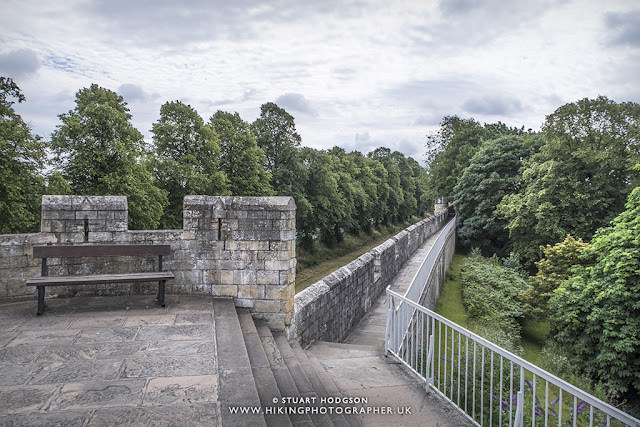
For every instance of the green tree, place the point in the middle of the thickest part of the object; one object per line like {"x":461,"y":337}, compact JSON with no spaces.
{"x":22,"y":157}
{"x":597,"y":311}
{"x":493,"y":172}
{"x":186,"y":159}
{"x":556,"y":267}
{"x":241,"y":159}
{"x":395,"y":199}
{"x":449,"y":151}
{"x":326,"y":206}
{"x":99,"y":152}
{"x":276,"y":135}
{"x":579,"y":179}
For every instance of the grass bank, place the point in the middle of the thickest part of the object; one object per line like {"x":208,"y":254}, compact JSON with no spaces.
{"x":450,"y":305}
{"x":313,"y":266}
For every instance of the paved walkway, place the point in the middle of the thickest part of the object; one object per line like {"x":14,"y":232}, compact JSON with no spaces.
{"x":109,"y":361}
{"x":359,"y":368}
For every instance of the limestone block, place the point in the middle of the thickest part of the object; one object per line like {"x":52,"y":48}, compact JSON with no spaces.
{"x":224,"y":290}
{"x":245,"y":277}
{"x":268,"y":277}
{"x":266,"y":306}
{"x":251,"y":291}
{"x":281,"y":292}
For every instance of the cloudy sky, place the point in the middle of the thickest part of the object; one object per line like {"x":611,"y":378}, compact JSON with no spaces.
{"x":358,"y":74}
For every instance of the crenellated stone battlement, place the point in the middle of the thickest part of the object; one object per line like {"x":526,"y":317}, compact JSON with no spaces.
{"x":240,"y":247}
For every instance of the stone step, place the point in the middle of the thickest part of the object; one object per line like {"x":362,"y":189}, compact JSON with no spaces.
{"x":283,"y":377}
{"x":236,"y":378}
{"x":322,"y":383}
{"x":305,"y":387}
{"x":263,"y":375}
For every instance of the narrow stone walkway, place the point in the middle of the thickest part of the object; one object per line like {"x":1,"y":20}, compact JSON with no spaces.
{"x":360,"y":369}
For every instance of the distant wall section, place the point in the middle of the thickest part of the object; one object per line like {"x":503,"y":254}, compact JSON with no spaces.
{"x":330,"y":308}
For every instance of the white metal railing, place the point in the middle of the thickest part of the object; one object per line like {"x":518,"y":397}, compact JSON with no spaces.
{"x":415,"y":289}
{"x":487,"y":383}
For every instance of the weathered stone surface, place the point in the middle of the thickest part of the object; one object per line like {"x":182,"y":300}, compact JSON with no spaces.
{"x":181,"y":390}
{"x":99,"y":394}
{"x":15,"y":400}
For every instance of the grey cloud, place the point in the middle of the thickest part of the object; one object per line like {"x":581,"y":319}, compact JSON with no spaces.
{"x":456,"y":7}
{"x":19,"y":63}
{"x":492,"y":105}
{"x":296,"y":102}
{"x":177,"y":24}
{"x":131,"y":92}
{"x":472,"y":23}
{"x":625,"y":27}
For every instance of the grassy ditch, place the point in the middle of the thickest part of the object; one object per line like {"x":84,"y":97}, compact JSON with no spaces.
{"x":313,"y":266}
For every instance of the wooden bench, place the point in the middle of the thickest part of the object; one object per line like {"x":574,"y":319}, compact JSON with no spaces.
{"x":75,"y":251}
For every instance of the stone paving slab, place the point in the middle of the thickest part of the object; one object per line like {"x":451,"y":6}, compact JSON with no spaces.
{"x":102,"y":361}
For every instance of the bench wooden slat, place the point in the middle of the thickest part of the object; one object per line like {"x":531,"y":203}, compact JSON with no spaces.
{"x":62,"y":251}
{"x":100,"y":278}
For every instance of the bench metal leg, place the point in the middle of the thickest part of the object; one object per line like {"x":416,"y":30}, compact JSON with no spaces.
{"x":161,"y":292}
{"x":40,"y":300}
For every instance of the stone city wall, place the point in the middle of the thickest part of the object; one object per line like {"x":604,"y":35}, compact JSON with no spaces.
{"x":328,"y":309}
{"x":240,"y":247}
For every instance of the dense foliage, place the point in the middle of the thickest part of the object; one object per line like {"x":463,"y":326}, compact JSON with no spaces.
{"x":98,"y":152}
{"x":580,"y":178}
{"x":493,"y":172}
{"x":492,"y":293}
{"x":22,"y":157}
{"x":556,"y":267}
{"x":596,"y":312}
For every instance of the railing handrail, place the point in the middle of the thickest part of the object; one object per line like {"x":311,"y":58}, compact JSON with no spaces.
{"x":429,"y":259}
{"x":595,"y":402}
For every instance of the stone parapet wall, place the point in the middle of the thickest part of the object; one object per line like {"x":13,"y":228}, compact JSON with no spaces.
{"x":240,"y":247}
{"x":328,"y":309}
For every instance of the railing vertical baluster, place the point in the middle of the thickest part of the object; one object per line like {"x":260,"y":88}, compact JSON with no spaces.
{"x":511,"y":394}
{"x":560,"y":409}
{"x":533,"y":403}
{"x":444,"y":381}
{"x":500,"y":401}
{"x":575,"y":410}
{"x":459,"y":356}
{"x":466,"y":374}
{"x":546,"y":404}
{"x":521,"y":394}
{"x":491,"y":392}
{"x":432,"y":341}
{"x":473,"y":401}
{"x":453,"y":347}
{"x":439,"y":348}
{"x":482,"y":388}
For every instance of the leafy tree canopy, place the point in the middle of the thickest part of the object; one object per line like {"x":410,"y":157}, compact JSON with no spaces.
{"x":580,"y":178}
{"x":99,"y":152}
{"x":493,"y":172}
{"x":241,"y":159}
{"x":186,"y":158}
{"x":22,"y":157}
{"x":597,"y":311}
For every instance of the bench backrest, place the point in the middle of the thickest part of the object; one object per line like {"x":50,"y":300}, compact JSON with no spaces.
{"x":63,"y":251}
